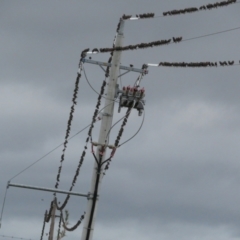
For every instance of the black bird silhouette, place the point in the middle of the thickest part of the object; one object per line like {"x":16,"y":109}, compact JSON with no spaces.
{"x":86,"y":50}
{"x":202,"y":8}
{"x":131,"y":65}
{"x":95,"y":50}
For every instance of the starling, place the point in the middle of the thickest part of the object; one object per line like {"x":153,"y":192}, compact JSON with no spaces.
{"x":95,"y":50}
{"x":202,"y":8}
{"x":86,"y":50}
{"x":131,"y":65}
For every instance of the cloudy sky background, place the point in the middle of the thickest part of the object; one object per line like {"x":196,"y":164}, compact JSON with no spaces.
{"x":179,"y":177}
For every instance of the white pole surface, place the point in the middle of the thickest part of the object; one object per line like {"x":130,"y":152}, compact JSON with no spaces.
{"x":105,"y":127}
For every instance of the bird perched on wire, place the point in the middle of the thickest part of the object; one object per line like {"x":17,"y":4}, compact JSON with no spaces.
{"x":95,"y":50}
{"x":202,"y":8}
{"x":86,"y":50}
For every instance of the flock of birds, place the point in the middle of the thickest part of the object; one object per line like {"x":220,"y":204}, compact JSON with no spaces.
{"x":196,"y":64}
{"x":182,"y":11}
{"x":145,"y":15}
{"x":131,"y":47}
{"x":204,"y":7}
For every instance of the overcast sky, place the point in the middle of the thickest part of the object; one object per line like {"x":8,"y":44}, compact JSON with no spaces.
{"x":179,"y":177}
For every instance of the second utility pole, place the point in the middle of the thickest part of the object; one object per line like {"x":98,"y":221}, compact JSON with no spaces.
{"x":51,"y":232}
{"x":106,"y":124}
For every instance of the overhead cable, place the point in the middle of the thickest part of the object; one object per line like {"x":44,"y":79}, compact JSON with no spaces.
{"x":75,"y":92}
{"x":75,"y":226}
{"x":5,"y":236}
{"x":45,"y":155}
{"x":94,"y":119}
{"x":208,"y":6}
{"x":140,"y":127}
{"x":43,"y":228}
{"x":203,"y":7}
{"x":90,"y":85}
{"x":161,"y":42}
{"x":193,"y":64}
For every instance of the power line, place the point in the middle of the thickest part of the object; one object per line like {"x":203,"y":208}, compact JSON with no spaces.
{"x":162,"y":42}
{"x":203,"y":7}
{"x":209,"y":6}
{"x":211,"y":34}
{"x":90,"y":85}
{"x":5,"y":236}
{"x":5,"y":195}
{"x":193,"y":64}
{"x":48,"y":153}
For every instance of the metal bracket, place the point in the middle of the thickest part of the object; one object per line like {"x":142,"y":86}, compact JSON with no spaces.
{"x":143,"y":71}
{"x":90,"y":196}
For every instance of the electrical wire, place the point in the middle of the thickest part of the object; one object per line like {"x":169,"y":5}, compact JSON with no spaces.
{"x":75,"y":226}
{"x":54,"y":148}
{"x":69,"y":123}
{"x":211,"y":34}
{"x":5,"y":195}
{"x":136,"y":132}
{"x":94,"y":118}
{"x":193,"y":64}
{"x":5,"y":236}
{"x":203,"y":7}
{"x":43,"y":227}
{"x":48,"y":153}
{"x":90,"y":85}
{"x":162,"y":42}
{"x":177,"y":12}
{"x":107,"y":136}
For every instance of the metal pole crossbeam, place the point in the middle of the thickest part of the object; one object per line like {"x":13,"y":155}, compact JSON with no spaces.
{"x":109,"y":65}
{"x":48,"y":189}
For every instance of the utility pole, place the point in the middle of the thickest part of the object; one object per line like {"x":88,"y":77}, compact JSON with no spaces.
{"x":106,"y":124}
{"x":128,"y":96}
{"x":51,"y":232}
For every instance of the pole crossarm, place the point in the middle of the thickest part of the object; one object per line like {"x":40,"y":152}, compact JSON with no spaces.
{"x":54,"y":190}
{"x":143,"y":71}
